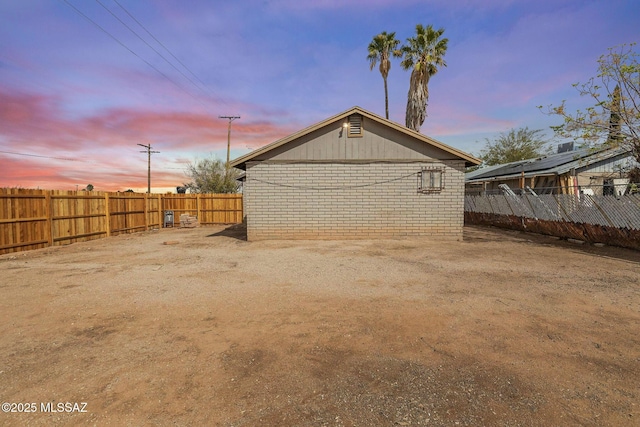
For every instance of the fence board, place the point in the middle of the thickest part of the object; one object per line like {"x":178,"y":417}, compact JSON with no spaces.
{"x":23,"y":220}
{"x":209,"y":208}
{"x":220,"y":208}
{"x":33,"y":219}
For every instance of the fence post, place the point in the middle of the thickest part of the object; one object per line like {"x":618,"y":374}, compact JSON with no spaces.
{"x":107,"y":214}
{"x":146,"y":211}
{"x":199,"y":207}
{"x":160,"y":212}
{"x":49,"y":210}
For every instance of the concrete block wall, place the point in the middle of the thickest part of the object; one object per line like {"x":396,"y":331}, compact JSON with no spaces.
{"x":351,"y":201}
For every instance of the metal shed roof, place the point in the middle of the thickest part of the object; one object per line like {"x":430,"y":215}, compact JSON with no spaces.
{"x":554,"y":164}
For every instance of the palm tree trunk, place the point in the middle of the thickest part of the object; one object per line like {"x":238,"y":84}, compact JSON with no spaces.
{"x":386,"y":99}
{"x":417,"y":100}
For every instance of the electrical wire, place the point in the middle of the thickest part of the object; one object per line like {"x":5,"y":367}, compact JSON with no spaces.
{"x":167,"y":49}
{"x":150,"y":47}
{"x":43,"y":157}
{"x":344,"y":187}
{"x":131,"y":51}
{"x":74,"y":160}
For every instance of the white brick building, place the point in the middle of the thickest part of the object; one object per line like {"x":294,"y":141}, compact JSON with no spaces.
{"x":354,"y":175}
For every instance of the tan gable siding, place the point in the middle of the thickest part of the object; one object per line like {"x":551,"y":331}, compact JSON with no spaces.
{"x":378,"y":142}
{"x":320,"y":144}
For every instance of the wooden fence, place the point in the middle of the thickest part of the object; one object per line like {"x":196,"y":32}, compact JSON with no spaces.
{"x":33,"y":219}
{"x":209,"y":208}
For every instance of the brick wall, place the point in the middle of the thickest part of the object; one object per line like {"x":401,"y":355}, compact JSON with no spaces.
{"x":351,"y":200}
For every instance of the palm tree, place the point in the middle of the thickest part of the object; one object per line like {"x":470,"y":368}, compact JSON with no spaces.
{"x":380,"y":49}
{"x":424,"y":54}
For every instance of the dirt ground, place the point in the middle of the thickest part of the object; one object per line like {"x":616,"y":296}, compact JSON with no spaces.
{"x":503,"y":328}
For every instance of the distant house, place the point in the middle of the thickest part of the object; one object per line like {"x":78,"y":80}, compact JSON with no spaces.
{"x":354,"y":175}
{"x":594,"y":171}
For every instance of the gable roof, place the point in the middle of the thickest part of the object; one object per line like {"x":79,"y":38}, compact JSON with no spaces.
{"x":470,"y":160}
{"x":554,"y":164}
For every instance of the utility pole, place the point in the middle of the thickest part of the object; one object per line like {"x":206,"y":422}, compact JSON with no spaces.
{"x":149,"y":153}
{"x":231,"y":118}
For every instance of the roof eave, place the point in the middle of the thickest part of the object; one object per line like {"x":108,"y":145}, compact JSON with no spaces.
{"x":240,"y":162}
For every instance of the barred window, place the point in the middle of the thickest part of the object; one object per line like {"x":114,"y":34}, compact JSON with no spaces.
{"x":431,"y":180}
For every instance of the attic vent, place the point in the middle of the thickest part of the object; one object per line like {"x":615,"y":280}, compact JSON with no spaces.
{"x":355,"y":126}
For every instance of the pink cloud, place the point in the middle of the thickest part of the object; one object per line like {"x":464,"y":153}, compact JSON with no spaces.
{"x":37,"y":120}
{"x":446,"y":120}
{"x":27,"y":172}
{"x":105,"y":144}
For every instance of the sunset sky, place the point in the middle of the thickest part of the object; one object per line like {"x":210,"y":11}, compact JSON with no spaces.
{"x":82,"y":82}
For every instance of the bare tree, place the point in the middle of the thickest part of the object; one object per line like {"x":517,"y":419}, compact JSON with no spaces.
{"x":520,"y":144}
{"x":614,"y":119}
{"x":211,"y":176}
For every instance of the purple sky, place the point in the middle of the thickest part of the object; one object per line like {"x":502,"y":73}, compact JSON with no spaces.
{"x":74,"y":101}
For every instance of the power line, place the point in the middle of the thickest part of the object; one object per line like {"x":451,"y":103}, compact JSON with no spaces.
{"x":43,"y":157}
{"x":159,"y":54}
{"x":78,"y":160}
{"x":111,"y":169}
{"x":130,"y":50}
{"x":166,"y":48}
{"x":151,"y":47}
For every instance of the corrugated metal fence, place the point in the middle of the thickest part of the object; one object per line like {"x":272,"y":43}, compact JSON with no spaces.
{"x":561,"y":214}
{"x":621,"y":212}
{"x":32,"y":219}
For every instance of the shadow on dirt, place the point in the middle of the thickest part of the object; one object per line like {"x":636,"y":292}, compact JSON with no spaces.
{"x":236,"y":231}
{"x":477,"y":233}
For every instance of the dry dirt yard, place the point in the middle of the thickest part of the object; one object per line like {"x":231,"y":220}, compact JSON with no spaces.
{"x":503,"y":328}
